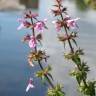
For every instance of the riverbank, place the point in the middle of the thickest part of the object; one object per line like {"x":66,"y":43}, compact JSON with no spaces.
{"x":10,"y":5}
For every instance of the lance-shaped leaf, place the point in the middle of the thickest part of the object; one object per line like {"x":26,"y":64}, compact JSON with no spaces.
{"x":84,"y":67}
{"x":89,"y":90}
{"x":64,"y":9}
{"x":74,"y":41}
{"x":56,"y":91}
{"x":39,"y":38}
{"x":77,"y":74}
{"x":80,"y":73}
{"x":79,"y":52}
{"x":43,"y":73}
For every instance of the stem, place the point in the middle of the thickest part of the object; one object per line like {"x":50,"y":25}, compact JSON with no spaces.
{"x":49,"y":81}
{"x":33,"y":33}
{"x":72,"y":50}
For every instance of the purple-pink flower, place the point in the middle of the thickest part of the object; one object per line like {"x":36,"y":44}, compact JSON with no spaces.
{"x":57,"y":25}
{"x":72,"y":23}
{"x":67,"y":22}
{"x":30,"y":84}
{"x":24,"y":24}
{"x":32,"y":42}
{"x":40,"y":25}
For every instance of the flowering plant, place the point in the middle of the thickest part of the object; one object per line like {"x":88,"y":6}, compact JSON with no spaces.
{"x":81,"y":68}
{"x":31,"y":21}
{"x":64,"y":22}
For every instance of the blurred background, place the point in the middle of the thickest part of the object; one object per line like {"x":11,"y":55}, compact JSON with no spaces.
{"x":14,"y":69}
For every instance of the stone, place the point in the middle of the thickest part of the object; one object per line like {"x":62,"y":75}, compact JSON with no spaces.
{"x":11,"y":5}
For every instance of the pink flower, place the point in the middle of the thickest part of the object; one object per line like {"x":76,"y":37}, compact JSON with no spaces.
{"x":57,"y":25}
{"x":71,"y":23}
{"x":21,"y":26}
{"x":24,"y":24}
{"x":30,"y":84}
{"x":32,"y":42}
{"x":40,"y":25}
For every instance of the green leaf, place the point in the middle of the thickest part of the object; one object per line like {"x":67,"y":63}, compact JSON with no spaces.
{"x":74,"y":42}
{"x":56,"y":91}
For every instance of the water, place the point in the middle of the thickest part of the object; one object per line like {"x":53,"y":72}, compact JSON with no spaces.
{"x":14,"y":69}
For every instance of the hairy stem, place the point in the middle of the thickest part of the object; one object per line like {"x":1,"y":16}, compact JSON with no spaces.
{"x":39,"y":62}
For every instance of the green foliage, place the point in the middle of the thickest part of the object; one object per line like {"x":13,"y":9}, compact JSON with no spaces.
{"x":89,"y":90}
{"x":56,"y":91}
{"x":91,"y":3}
{"x":80,"y":74}
{"x":85,"y":4}
{"x":81,"y":4}
{"x":42,"y":74}
{"x":74,"y":56}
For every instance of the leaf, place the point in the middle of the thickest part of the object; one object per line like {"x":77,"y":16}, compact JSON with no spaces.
{"x":64,"y":9}
{"x":45,"y":27}
{"x":39,"y":37}
{"x":56,"y":5}
{"x":39,"y":74}
{"x":76,"y":59}
{"x":74,"y":42}
{"x":56,"y":91}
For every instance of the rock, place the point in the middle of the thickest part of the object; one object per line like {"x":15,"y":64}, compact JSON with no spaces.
{"x":30,"y":3}
{"x":11,"y":5}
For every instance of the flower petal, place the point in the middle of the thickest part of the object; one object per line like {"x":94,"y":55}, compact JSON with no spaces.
{"x":30,"y":85}
{"x":21,"y":26}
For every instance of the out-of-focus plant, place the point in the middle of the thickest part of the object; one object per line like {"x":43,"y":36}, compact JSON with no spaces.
{"x":36,"y":55}
{"x":85,"y":4}
{"x":64,"y":21}
{"x":81,"y":5}
{"x":91,"y":3}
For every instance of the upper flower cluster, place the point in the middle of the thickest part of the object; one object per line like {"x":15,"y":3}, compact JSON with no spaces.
{"x":25,"y":23}
{"x":31,"y":21}
{"x":66,"y":20}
